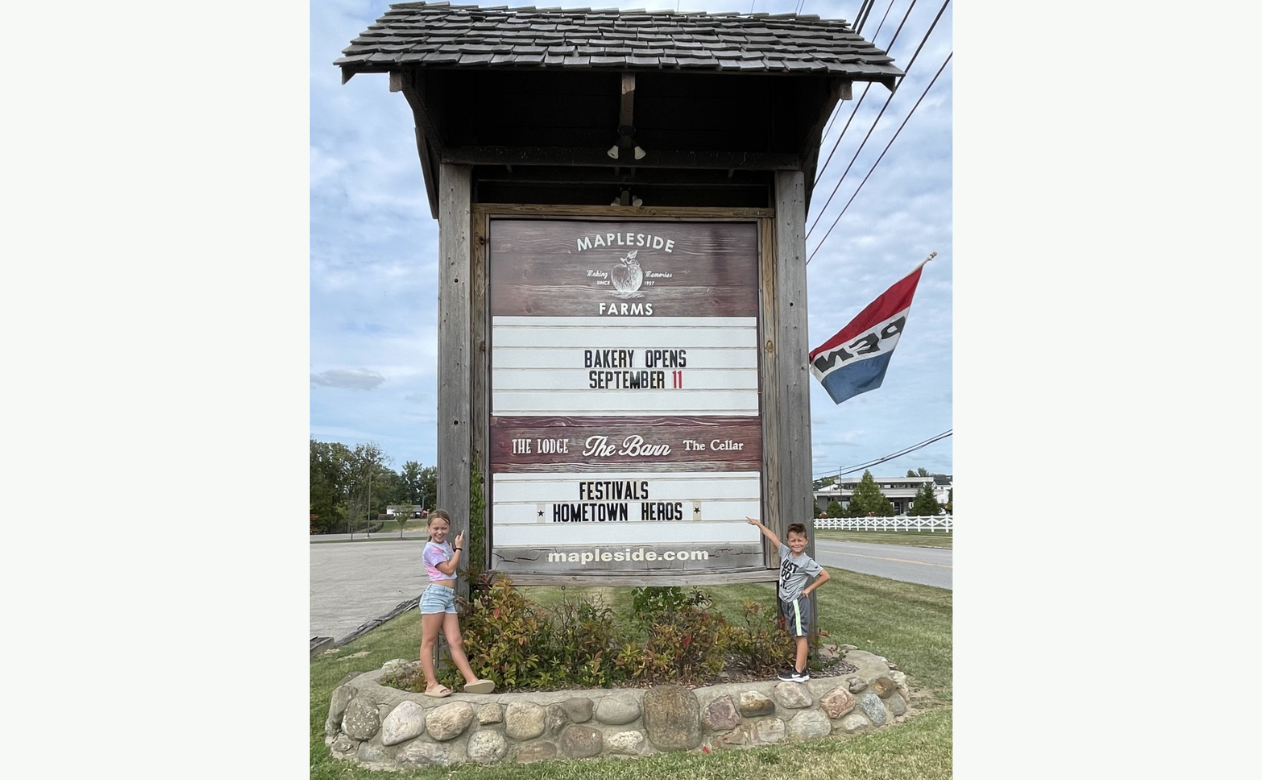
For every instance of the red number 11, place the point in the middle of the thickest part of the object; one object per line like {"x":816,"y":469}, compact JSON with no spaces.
{"x":677,"y":378}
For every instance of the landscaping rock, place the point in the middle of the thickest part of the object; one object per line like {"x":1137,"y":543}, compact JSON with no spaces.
{"x":424,"y":754}
{"x":837,"y":702}
{"x":579,"y":710}
{"x":343,"y":747}
{"x":809,"y":724}
{"x":399,"y":666}
{"x":490,"y":713}
{"x":884,"y":686}
{"x":857,"y":684}
{"x":449,"y":721}
{"x":360,"y":720}
{"x":580,"y":742}
{"x":871,"y":705}
{"x":854,"y":722}
{"x":342,"y":696}
{"x":487,"y":747}
{"x":618,"y":709}
{"x":523,"y":720}
{"x":672,"y":717}
{"x":625,"y":743}
{"x":766,"y":731}
{"x":721,"y":715}
{"x":537,"y":751}
{"x":897,"y":705}
{"x":555,"y":719}
{"x":369,"y":753}
{"x":405,"y":722}
{"x":791,"y":695}
{"x":754,"y":704}
{"x":732,"y":739}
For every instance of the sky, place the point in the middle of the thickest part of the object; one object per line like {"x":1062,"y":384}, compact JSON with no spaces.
{"x":374,"y":245}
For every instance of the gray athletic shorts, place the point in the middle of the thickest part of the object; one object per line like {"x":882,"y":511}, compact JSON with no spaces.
{"x":797,"y":616}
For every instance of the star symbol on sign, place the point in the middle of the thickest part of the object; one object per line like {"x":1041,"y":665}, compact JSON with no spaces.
{"x":696,"y":510}
{"x":541,"y":513}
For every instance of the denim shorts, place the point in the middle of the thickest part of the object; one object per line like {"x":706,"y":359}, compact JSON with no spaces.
{"x":436,"y":599}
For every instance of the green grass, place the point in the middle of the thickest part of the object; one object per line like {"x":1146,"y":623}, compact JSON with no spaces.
{"x":908,"y":538}
{"x":908,"y":624}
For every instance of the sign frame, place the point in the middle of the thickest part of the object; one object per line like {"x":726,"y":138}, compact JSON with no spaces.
{"x":481,"y":217}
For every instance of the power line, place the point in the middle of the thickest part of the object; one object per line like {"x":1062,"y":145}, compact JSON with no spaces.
{"x":864,"y":11}
{"x":836,"y":114}
{"x":878,"y":159}
{"x":851,"y":469}
{"x":888,"y":98}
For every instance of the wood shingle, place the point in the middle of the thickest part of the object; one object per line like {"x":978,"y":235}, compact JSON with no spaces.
{"x":609,"y":39}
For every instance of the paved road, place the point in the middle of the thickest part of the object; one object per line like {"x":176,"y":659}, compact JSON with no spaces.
{"x":921,"y":565}
{"x":355,"y":582}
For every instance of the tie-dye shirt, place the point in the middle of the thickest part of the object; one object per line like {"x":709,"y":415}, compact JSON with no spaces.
{"x":435,"y":554}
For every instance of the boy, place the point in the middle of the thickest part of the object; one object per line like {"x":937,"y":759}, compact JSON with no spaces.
{"x":796,"y":568}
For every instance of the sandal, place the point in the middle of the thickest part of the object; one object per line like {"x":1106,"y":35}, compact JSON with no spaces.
{"x":438,"y":692}
{"x":480,"y":686}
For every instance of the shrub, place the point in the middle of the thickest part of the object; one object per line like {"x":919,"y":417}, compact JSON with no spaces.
{"x":671,"y":636}
{"x":583,"y":638}
{"x":683,"y":638}
{"x":758,"y":644}
{"x":505,"y":635}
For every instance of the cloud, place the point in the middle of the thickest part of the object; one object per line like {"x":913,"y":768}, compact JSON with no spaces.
{"x":349,"y":379}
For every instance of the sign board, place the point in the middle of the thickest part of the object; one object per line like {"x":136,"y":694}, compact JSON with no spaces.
{"x":625,"y":434}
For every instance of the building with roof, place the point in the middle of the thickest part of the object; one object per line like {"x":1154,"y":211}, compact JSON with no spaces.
{"x":901,"y":491}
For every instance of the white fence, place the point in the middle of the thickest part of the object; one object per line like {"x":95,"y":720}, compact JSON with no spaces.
{"x":900,"y":523}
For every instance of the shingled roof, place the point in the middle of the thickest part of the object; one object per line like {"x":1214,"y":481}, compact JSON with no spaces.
{"x":441,"y":35}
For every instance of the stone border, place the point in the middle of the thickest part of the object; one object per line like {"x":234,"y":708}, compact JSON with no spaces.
{"x":383,"y":728}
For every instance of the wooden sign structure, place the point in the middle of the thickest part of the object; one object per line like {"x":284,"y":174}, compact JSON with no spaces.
{"x":624,"y":431}
{"x":630,"y":378}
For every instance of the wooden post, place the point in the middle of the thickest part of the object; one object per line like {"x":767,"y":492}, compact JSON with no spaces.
{"x":770,"y":385}
{"x":454,"y":358}
{"x":793,"y":407}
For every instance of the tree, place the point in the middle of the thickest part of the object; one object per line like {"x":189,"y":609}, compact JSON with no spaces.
{"x":920,"y":472}
{"x":429,"y":487}
{"x":402,"y":514}
{"x":330,"y":476}
{"x":924,"y":503}
{"x":368,"y":461}
{"x":869,"y":500}
{"x":950,"y":501}
{"x":834,"y":509}
{"x":410,"y":476}
{"x":823,"y":482}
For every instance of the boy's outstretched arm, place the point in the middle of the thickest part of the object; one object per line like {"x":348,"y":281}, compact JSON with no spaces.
{"x":767,"y":532}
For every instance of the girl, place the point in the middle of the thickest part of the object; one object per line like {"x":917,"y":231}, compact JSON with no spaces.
{"x":438,"y":608}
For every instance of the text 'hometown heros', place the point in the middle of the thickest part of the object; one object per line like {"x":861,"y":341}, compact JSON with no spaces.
{"x":854,"y":360}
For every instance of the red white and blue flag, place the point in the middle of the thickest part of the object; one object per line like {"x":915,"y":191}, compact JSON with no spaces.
{"x":854,"y":360}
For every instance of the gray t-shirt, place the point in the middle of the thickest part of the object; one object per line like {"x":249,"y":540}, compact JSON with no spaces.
{"x":795,"y":573}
